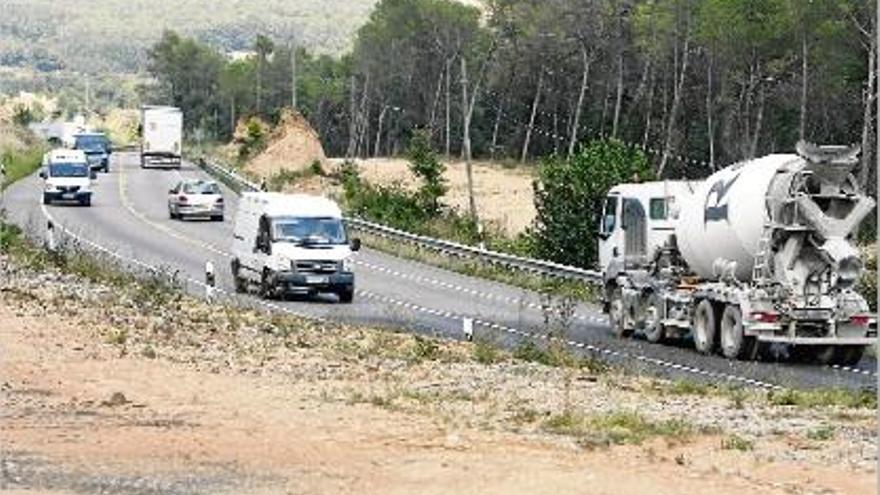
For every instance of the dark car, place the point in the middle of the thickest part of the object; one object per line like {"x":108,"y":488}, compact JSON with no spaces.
{"x":97,"y":148}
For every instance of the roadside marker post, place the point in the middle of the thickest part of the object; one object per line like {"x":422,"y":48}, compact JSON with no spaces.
{"x":210,"y":280}
{"x":467,"y":327}
{"x":50,"y":237}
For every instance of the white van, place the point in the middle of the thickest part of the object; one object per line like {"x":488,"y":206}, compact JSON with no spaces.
{"x":291,"y":245}
{"x":67,"y":177}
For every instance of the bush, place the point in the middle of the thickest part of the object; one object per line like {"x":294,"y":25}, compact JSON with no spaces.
{"x":255,"y":138}
{"x":569,"y":194}
{"x":425,"y":165}
{"x":868,"y":283}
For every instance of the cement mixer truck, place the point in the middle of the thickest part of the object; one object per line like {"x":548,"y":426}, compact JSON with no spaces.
{"x":758,"y":256}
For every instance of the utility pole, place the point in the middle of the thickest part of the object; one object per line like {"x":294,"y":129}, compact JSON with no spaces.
{"x":877,"y":195}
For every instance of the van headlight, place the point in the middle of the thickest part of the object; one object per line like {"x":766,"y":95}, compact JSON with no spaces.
{"x":346,"y":265}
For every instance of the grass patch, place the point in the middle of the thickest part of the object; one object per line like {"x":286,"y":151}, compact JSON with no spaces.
{"x":736,"y":442}
{"x":615,"y":428}
{"x":822,"y":433}
{"x":21,"y":163}
{"x":486,"y":352}
{"x":855,"y":399}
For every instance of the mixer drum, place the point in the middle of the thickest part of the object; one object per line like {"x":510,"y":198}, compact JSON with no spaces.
{"x":725,"y":217}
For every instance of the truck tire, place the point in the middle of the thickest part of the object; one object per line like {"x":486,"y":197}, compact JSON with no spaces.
{"x":705,"y":327}
{"x":238,"y":282}
{"x":734,"y":343}
{"x":616,"y":314}
{"x":654,"y":330}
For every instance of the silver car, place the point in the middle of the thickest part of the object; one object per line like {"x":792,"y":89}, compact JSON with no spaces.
{"x":195,"y":198}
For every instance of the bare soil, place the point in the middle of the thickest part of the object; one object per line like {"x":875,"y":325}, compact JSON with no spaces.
{"x":198,"y":403}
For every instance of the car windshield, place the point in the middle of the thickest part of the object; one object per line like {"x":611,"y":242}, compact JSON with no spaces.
{"x":91,"y":143}
{"x":68,"y":170}
{"x":310,"y":230}
{"x":201,"y":188}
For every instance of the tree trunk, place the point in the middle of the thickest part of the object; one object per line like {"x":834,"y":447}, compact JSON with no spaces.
{"x":619,"y":99}
{"x":867,"y":119}
{"x":803,"y":123}
{"x":293,"y":75}
{"x":232,"y":120}
{"x":353,"y":119}
{"x":676,"y":102}
{"x":495,"y":128}
{"x":753,"y":149}
{"x":576,"y":122}
{"x":377,"y":147}
{"x":448,"y":104}
{"x":467,"y":108}
{"x":710,"y":125}
{"x":435,"y":103}
{"x":649,"y":108}
{"x":537,"y":99}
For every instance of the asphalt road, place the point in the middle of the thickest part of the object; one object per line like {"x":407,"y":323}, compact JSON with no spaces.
{"x":129,"y":216}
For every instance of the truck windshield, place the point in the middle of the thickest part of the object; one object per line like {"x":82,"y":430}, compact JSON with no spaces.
{"x":310,"y":230}
{"x":91,"y":143}
{"x":68,"y":170}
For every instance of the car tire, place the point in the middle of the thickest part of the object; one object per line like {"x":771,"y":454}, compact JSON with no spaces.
{"x":47,"y":199}
{"x":217,"y":218}
{"x":86,"y":202}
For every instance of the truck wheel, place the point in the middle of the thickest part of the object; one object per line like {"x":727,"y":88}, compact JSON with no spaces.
{"x":841,"y":355}
{"x":616,"y":314}
{"x":705,"y":327}
{"x":239,"y":283}
{"x":734,"y":343}
{"x":346,"y":296}
{"x":654,"y":329}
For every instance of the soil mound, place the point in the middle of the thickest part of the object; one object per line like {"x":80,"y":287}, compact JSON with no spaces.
{"x":293,"y":145}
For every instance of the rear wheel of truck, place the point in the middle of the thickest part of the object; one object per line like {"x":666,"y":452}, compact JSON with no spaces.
{"x":841,"y":355}
{"x":734,"y":343}
{"x":705,"y":327}
{"x":616,"y":315}
{"x":654,"y":330}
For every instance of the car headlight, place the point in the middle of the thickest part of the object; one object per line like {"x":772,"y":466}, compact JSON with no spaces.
{"x":346,"y":265}
{"x":49,"y":187}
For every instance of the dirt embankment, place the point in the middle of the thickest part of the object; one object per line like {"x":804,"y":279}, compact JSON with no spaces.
{"x":129,"y":388}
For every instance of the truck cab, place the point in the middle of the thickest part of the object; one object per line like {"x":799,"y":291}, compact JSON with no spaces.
{"x":637,"y":221}
{"x":292,"y":245}
{"x":67,"y":177}
{"x":97,"y":148}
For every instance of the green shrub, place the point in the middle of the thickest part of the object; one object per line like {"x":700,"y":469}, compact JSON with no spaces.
{"x":569,"y":193}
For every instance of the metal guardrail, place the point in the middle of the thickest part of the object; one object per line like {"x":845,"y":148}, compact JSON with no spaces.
{"x":536,"y":266}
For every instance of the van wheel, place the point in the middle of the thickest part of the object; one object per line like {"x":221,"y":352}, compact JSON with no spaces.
{"x":346,"y":296}
{"x":705,"y":327}
{"x":734,"y":343}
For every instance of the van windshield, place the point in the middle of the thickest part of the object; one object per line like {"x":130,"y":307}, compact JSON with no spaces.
{"x":92,"y":143}
{"x":68,"y":170}
{"x":309,"y":230}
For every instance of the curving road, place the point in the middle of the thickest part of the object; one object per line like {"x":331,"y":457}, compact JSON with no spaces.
{"x":129,"y":216}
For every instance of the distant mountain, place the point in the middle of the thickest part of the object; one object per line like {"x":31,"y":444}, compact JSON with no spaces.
{"x":100,"y":36}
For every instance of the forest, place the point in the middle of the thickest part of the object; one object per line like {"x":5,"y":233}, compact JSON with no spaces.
{"x":695,"y":83}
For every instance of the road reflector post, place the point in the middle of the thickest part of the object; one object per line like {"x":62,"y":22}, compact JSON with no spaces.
{"x":51,"y":245}
{"x":210,"y":280}
{"x":467,"y":327}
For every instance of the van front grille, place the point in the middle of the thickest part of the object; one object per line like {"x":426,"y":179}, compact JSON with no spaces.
{"x":316,"y":266}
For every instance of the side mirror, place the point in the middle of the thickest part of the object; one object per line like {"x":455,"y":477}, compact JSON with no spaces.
{"x":603,"y":235}
{"x":93,"y":175}
{"x":43,"y":174}
{"x":355,"y":244}
{"x":172,"y":191}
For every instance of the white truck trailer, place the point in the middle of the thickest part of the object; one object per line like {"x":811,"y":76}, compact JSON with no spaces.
{"x":161,"y":136}
{"x":760,"y":253}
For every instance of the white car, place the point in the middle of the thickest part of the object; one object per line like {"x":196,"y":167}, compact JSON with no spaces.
{"x":292,"y":245}
{"x":67,"y":177}
{"x":195,"y":198}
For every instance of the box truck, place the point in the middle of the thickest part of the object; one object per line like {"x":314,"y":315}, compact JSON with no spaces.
{"x":161,"y":136}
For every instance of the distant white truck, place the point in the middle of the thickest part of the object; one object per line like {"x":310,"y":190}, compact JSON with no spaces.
{"x":67,"y":177}
{"x":161,"y":136}
{"x":292,"y":244}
